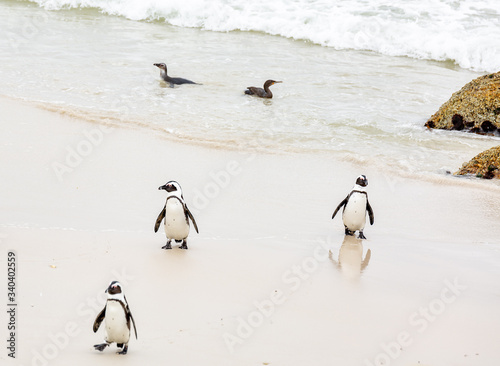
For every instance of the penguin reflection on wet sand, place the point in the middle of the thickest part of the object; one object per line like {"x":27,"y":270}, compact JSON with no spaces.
{"x":168,"y":79}
{"x":350,"y":261}
{"x":262,"y":92}
{"x":117,"y":316}
{"x":176,"y":215}
{"x":356,"y":206}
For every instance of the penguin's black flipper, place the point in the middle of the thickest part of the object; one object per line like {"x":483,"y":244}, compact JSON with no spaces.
{"x":370,"y":211}
{"x":339,"y":206}
{"x":99,"y":319}
{"x":160,"y":218}
{"x":129,"y":316}
{"x":133,"y":322}
{"x":192,"y":218}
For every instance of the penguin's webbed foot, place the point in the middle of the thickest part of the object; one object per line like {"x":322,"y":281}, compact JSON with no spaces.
{"x":361,"y":235}
{"x":184,"y":245}
{"x":167,"y":246}
{"x":123,"y":351}
{"x":100,"y":347}
{"x":348,"y":232}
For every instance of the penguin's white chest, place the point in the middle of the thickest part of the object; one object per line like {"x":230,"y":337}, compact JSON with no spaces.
{"x":354,"y":215}
{"x":116,"y":323}
{"x":176,"y":225}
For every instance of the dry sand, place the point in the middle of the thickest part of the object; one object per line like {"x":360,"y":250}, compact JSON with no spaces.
{"x":257,"y":286}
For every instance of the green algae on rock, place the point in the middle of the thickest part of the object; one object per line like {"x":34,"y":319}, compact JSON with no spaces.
{"x":474,"y":108}
{"x":484,"y":165}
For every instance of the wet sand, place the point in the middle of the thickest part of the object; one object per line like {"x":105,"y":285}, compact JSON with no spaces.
{"x":270,"y":279}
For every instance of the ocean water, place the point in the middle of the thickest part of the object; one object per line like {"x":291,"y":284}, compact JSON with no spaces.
{"x":360,"y":78}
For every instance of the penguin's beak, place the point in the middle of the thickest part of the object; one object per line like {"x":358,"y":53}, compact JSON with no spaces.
{"x":165,"y":187}
{"x":168,"y":187}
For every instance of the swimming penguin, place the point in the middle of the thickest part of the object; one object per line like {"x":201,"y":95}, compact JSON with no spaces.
{"x":263,"y":93}
{"x":117,"y":316}
{"x":168,"y":79}
{"x":355,"y":207}
{"x":176,"y":214}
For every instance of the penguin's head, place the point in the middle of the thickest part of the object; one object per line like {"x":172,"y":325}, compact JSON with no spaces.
{"x":161,"y":66}
{"x":362,"y":181}
{"x":114,"y":288}
{"x":172,"y":187}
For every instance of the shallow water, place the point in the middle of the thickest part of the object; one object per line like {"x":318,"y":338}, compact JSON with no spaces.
{"x":359,"y":106}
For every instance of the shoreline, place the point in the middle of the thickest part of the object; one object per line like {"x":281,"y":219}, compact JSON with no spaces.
{"x":258,"y":276}
{"x":343,"y":158}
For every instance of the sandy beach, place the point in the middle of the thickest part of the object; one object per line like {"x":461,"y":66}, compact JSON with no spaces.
{"x":270,"y":278}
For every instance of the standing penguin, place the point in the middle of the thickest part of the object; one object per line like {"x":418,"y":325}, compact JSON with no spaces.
{"x":117,"y":316}
{"x":355,"y":207}
{"x":176,"y":214}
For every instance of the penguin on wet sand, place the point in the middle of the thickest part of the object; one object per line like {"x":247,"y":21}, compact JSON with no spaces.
{"x":356,"y":206}
{"x":117,"y":316}
{"x":176,"y":215}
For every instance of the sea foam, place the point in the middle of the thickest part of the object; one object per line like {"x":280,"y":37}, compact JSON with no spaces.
{"x":465,"y":32}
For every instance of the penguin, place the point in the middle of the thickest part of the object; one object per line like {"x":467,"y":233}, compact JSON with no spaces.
{"x":176,"y":215}
{"x":117,"y":316}
{"x":172,"y":81}
{"x":355,"y":207}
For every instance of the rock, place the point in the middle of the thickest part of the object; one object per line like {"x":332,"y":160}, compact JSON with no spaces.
{"x":474,"y":108}
{"x":485,"y":165}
